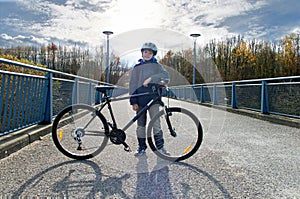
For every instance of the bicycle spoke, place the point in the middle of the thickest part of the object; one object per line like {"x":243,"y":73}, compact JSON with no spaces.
{"x":79,"y":132}
{"x":188,"y":134}
{"x":95,"y":133}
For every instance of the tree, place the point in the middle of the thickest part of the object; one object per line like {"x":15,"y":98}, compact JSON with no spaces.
{"x":289,"y":56}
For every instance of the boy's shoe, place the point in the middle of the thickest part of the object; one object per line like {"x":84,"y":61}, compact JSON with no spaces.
{"x":140,"y":151}
{"x":163,"y":151}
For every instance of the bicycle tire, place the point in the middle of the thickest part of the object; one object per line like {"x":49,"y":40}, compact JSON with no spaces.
{"x":80,"y":123}
{"x":189,"y":134}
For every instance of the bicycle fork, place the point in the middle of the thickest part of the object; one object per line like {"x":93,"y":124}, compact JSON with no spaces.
{"x":167,"y":116}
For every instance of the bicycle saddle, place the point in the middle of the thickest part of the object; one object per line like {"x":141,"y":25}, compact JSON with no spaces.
{"x":104,"y":88}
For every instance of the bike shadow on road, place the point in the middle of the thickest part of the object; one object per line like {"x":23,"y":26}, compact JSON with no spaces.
{"x":72,"y":179}
{"x":176,"y":180}
{"x":84,"y":179}
{"x":217,"y":185}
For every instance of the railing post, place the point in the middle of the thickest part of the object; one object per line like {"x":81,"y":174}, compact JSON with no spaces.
{"x":215,"y":98}
{"x":264,"y":98}
{"x":202,"y":98}
{"x":97,"y":96}
{"x":89,"y":97}
{"x":48,"y":98}
{"x":233,"y":96}
{"x":196,"y":94}
{"x":180,"y":92}
{"x":75,"y":92}
{"x":5,"y":126}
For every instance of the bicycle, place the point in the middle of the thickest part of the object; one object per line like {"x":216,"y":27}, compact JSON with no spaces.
{"x":81,"y":131}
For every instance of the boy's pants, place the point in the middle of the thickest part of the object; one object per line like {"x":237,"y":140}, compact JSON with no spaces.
{"x":141,"y":128}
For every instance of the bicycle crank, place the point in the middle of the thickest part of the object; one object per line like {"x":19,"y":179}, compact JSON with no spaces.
{"x":118,"y":136}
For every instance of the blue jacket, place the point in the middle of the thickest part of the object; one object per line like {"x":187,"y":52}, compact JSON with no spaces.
{"x":142,"y":71}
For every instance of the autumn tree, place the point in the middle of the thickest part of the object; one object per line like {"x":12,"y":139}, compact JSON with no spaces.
{"x":234,"y":58}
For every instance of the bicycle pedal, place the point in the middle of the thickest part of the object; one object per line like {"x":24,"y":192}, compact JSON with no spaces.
{"x":173,"y":133}
{"x":127,"y":149}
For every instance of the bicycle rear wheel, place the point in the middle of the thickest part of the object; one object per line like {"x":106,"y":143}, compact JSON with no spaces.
{"x":188,"y":130}
{"x":79,"y":132}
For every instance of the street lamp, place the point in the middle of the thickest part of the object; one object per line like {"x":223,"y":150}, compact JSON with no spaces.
{"x":107,"y":33}
{"x":298,"y":44}
{"x":195,"y":35}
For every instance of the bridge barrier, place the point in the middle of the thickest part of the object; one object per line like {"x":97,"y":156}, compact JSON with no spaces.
{"x":27,"y":100}
{"x":279,"y":96}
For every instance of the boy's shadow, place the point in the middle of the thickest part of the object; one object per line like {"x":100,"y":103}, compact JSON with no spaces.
{"x":154,"y":184}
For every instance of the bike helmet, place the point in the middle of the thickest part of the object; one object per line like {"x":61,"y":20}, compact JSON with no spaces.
{"x":150,"y":46}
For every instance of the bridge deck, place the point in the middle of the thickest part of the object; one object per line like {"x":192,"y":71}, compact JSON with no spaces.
{"x":241,"y":157}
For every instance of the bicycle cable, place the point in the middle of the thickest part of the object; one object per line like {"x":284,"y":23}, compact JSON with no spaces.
{"x":168,"y":94}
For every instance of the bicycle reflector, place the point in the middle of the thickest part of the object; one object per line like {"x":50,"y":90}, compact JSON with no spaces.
{"x":187,"y":149}
{"x":60,"y":134}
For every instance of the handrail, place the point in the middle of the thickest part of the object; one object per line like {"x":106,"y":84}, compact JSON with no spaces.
{"x":263,"y":95}
{"x":26,"y":99}
{"x":15,"y":63}
{"x":241,"y":81}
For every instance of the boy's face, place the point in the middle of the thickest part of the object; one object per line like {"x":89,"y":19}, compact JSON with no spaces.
{"x":147,"y":54}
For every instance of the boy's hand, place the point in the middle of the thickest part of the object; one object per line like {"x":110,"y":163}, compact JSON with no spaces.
{"x":135,"y":107}
{"x":146,"y":82}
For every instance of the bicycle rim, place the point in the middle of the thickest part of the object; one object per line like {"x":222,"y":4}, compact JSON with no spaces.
{"x":189,"y":134}
{"x":79,"y":133}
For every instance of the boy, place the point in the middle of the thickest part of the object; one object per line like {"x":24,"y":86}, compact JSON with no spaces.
{"x":145,"y":74}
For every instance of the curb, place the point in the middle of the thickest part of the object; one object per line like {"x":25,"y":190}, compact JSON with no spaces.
{"x":277,"y":119}
{"x":15,"y":141}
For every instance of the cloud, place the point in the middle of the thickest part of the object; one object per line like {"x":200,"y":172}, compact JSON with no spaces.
{"x":21,"y":39}
{"x":6,"y":37}
{"x":68,"y":20}
{"x":165,"y":39}
{"x":208,"y":16}
{"x":270,"y":20}
{"x":83,"y":21}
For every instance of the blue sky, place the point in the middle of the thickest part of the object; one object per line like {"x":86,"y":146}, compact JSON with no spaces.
{"x":83,"y":21}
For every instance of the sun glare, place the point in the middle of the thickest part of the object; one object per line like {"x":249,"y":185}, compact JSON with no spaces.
{"x":133,"y":14}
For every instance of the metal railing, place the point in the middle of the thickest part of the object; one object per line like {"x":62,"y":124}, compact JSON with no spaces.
{"x":26,"y":100}
{"x":280,"y":96}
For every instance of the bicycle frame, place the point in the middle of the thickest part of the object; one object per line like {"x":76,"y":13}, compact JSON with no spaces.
{"x":84,"y":148}
{"x":108,"y":101}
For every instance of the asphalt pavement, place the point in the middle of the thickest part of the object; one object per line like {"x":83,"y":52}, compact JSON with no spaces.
{"x":240,"y":157}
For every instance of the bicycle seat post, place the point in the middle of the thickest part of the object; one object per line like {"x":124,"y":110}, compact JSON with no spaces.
{"x":105,"y":96}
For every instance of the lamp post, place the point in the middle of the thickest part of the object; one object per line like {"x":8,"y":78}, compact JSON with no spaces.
{"x":298,"y":46}
{"x":194,"y":35}
{"x":107,"y":33}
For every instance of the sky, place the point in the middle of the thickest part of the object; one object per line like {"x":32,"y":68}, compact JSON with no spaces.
{"x":166,"y":22}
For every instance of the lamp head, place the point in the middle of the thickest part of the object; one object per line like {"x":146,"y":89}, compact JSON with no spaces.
{"x":195,"y":35}
{"x":107,"y":32}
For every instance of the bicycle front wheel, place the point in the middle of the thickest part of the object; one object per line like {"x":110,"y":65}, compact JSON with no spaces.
{"x":79,"y":132}
{"x":180,"y":142}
